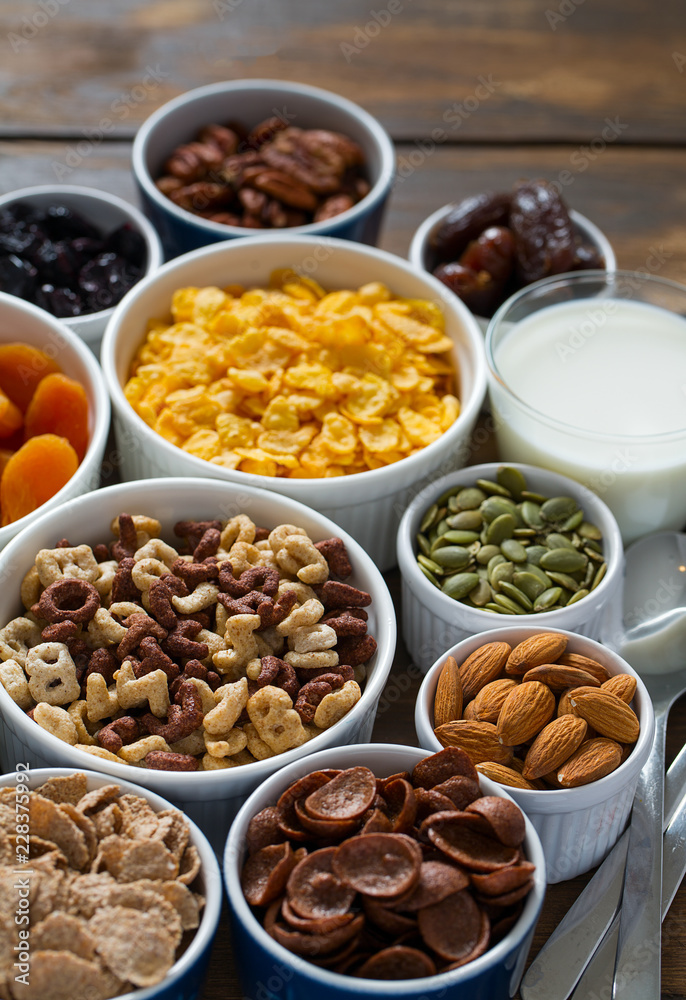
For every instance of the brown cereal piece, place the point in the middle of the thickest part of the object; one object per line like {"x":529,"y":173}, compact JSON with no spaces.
{"x":397,"y":962}
{"x":263,"y":830}
{"x":460,"y":789}
{"x":316,"y":945}
{"x":152,"y":657}
{"x":98,"y":798}
{"x":381,"y":865}
{"x":194,"y":573}
{"x":334,"y":594}
{"x":461,"y":839}
{"x":160,"y":760}
{"x":123,"y":587}
{"x":61,"y":975}
{"x":321,"y":925}
{"x":287,"y":818}
{"x":48,"y":820}
{"x":441,"y":766}
{"x":127,"y":538}
{"x":345,"y":622}
{"x":355,"y":649}
{"x":63,"y":932}
{"x":347,"y":796}
{"x":455,"y":928}
{"x":311,"y":694}
{"x":266,"y":872}
{"x":437,"y":879}
{"x":134,"y":945}
{"x":180,"y":642}
{"x":183,"y":717}
{"x":327,"y":830}
{"x":69,"y":788}
{"x":192,"y":531}
{"x":314,"y":891}
{"x":336,"y":555}
{"x":189,"y":866}
{"x":386,"y":919}
{"x":276,"y":671}
{"x":119,"y":733}
{"x":401,"y":803}
{"x":68,"y":600}
{"x":503,"y":881}
{"x":128,"y":860}
{"x":107,"y":821}
{"x":504,"y":817}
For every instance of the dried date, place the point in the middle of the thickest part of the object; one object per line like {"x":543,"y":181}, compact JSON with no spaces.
{"x":543,"y":231}
{"x":468,"y":220}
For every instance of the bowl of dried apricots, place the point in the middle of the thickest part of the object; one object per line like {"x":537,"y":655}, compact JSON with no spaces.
{"x":328,"y":371}
{"x":54,"y":415}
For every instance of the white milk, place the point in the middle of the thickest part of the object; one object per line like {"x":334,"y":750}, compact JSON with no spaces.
{"x":611,"y":375}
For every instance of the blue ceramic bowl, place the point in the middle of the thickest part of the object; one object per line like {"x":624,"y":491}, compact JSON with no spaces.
{"x":249,"y":102}
{"x":186,"y":978}
{"x":267,"y":971}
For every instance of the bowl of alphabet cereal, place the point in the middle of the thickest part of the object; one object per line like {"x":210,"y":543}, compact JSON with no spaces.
{"x":107,"y":890}
{"x":191,"y":637}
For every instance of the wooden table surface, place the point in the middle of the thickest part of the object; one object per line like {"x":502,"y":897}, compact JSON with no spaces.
{"x":588,"y":94}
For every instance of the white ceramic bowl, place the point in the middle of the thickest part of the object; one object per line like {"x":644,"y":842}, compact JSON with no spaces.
{"x":367,"y":504}
{"x":107,"y":212}
{"x":23,"y":322}
{"x":432,"y":621}
{"x":422,"y":256}
{"x":186,"y":977}
{"x":577,"y":826}
{"x":259,"y":957}
{"x":210,"y":798}
{"x":249,"y":102}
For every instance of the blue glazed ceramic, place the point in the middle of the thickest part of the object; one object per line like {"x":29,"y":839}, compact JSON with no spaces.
{"x":267,"y":971}
{"x":251,"y":101}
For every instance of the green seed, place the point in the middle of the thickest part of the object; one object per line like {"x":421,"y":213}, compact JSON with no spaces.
{"x":495,"y":506}
{"x":459,"y":585}
{"x":564,"y":560}
{"x":547,"y":598}
{"x":429,"y":517}
{"x":429,"y":575}
{"x":494,"y":488}
{"x":451,"y":557}
{"x":536,"y":497}
{"x":486,"y":553}
{"x":466,"y":520}
{"x":452,"y":504}
{"x":495,"y":561}
{"x":511,"y":479}
{"x":534,"y":553}
{"x":557,"y":541}
{"x":590,"y":531}
{"x":481,"y":595}
{"x":509,"y":604}
{"x":580,"y":594}
{"x":529,"y":584}
{"x":513,"y":550}
{"x":574,"y":521}
{"x":503,"y":572}
{"x":500,"y":529}
{"x":461,"y":537}
{"x":444,"y":498}
{"x":531,"y":514}
{"x":593,"y":555}
{"x":433,"y":567}
{"x":424,"y":545}
{"x":600,"y":575}
{"x":530,"y":567}
{"x":558,"y":509}
{"x":516,"y":595}
{"x":525,"y":533}
{"x":470,"y":498}
{"x":564,"y":580}
{"x":442,"y":526}
{"x":497,"y":609}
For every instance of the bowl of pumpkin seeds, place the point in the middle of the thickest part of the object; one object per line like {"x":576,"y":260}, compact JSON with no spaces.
{"x":492,"y":542}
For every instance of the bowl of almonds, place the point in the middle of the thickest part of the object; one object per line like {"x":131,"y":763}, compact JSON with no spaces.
{"x":562,"y":722}
{"x":492,"y":542}
{"x":379,"y":871}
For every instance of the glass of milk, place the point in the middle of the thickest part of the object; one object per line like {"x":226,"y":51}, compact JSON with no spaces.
{"x":587,"y":377}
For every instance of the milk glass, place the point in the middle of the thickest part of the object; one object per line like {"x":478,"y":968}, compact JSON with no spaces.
{"x":587,"y":377}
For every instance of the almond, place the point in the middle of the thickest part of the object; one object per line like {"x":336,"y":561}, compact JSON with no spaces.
{"x":468,"y":712}
{"x":594,"y":759}
{"x":600,"y":672}
{"x":608,"y":714}
{"x":545,"y":647}
{"x":448,"y":700}
{"x":504,"y":775}
{"x":560,"y":677}
{"x":555,"y":743}
{"x":564,"y":705}
{"x":482,"y":667}
{"x":478,"y":739}
{"x":526,"y":710}
{"x":489,"y":700}
{"x":623,"y":685}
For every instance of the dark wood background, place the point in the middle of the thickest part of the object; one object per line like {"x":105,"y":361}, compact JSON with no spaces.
{"x":559,"y":72}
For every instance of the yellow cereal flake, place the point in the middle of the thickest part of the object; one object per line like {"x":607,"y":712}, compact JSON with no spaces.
{"x":295,"y":380}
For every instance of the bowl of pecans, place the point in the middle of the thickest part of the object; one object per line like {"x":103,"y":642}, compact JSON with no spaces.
{"x":321,"y":369}
{"x":240,"y":156}
{"x":494,"y":541}
{"x":559,"y":720}
{"x":107,"y":889}
{"x":331,"y":894}
{"x":191,"y":637}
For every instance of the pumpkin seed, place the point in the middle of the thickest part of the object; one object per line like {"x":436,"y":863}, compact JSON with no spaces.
{"x":511,"y":479}
{"x":429,"y":564}
{"x":557,"y":541}
{"x":470,"y":498}
{"x":490,"y":487}
{"x":451,"y":557}
{"x":466,"y":520}
{"x":546,"y":600}
{"x":590,"y":531}
{"x":600,"y":575}
{"x":529,"y":584}
{"x":423,"y":545}
{"x":429,"y":517}
{"x":595,"y":556}
{"x":460,"y":585}
{"x":461,"y":537}
{"x":500,"y":529}
{"x":525,"y":533}
{"x":503,"y":572}
{"x":563,"y":560}
{"x":574,"y":521}
{"x":516,"y":594}
{"x":513,"y":550}
{"x":452,"y":504}
{"x":495,"y":561}
{"x":442,"y":526}
{"x":534,"y":553}
{"x":495,"y":506}
{"x":486,"y":552}
{"x":536,"y":497}
{"x":564,"y":580}
{"x":481,"y":594}
{"x":580,"y":594}
{"x":558,"y":509}
{"x":530,"y":567}
{"x":492,"y":606}
{"x":429,"y":575}
{"x":531,"y":513}
{"x":506,"y":602}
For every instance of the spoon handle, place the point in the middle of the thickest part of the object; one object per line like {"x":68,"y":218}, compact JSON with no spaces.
{"x":637,"y":969}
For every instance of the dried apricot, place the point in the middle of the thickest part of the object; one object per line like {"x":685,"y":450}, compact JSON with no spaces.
{"x":5,"y":456}
{"x":35,"y":473}
{"x":11,"y":418}
{"x":59,"y":406}
{"x":21,"y":369}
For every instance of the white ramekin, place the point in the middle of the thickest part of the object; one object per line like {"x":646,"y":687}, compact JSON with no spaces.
{"x":25,"y":323}
{"x":368,"y":505}
{"x":432,"y":621}
{"x":577,"y":826}
{"x":210,"y":798}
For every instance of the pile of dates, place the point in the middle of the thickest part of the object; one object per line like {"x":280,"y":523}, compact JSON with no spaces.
{"x":271,"y":177}
{"x":491,"y":245}
{"x":58,"y":260}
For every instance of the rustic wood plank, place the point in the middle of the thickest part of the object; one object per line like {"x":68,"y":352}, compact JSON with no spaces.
{"x":557,"y":68}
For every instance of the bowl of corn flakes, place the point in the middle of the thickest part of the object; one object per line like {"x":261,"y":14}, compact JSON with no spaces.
{"x":125,"y":891}
{"x":330,"y":372}
{"x":189,"y":635}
